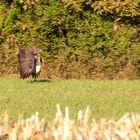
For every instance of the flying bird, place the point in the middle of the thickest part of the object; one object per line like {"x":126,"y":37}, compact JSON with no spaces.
{"x":29,"y":62}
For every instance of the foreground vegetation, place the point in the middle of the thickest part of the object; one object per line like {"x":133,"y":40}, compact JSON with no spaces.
{"x":79,"y":38}
{"x":104,"y":98}
{"x":63,"y":128}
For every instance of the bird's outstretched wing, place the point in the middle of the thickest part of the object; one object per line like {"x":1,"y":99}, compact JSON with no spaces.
{"x":26,"y":62}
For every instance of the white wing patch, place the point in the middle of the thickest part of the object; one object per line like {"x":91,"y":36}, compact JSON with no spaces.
{"x":38,"y":68}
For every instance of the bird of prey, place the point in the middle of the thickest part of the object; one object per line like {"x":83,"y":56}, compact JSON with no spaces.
{"x":29,"y":62}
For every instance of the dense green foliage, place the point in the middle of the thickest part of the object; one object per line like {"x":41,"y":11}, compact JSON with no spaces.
{"x":80,"y":38}
{"x":105,"y":98}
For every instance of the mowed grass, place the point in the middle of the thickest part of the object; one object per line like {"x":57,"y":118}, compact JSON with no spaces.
{"x":105,"y":98}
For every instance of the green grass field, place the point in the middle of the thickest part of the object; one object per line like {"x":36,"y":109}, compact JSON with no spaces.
{"x":105,"y":98}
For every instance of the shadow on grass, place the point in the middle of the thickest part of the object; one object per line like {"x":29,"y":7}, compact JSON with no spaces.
{"x":41,"y":81}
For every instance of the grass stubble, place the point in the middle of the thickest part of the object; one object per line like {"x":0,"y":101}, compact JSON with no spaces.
{"x":64,"y":128}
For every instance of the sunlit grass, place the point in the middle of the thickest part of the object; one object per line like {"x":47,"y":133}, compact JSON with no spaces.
{"x":105,"y":98}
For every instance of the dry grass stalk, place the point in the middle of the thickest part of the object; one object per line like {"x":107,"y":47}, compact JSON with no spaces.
{"x":63,"y":128}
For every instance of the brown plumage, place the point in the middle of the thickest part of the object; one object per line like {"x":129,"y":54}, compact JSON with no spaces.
{"x":29,"y":62}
